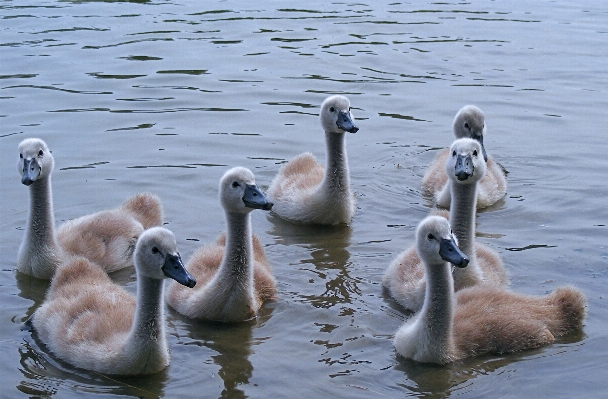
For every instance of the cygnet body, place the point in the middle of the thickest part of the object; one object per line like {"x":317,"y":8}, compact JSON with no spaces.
{"x":303,"y":190}
{"x":90,"y":322}
{"x":469,"y":122}
{"x":404,"y":278}
{"x":106,"y":238}
{"x":234,"y":276}
{"x":480,"y":319}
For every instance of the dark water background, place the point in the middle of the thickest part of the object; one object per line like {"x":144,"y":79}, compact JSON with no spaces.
{"x":165,"y":96}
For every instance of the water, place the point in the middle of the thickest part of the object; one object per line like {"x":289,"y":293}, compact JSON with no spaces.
{"x":165,"y":96}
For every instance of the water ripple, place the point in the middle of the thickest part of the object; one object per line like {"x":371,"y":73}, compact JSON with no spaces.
{"x":184,"y":71}
{"x":126,"y":43}
{"x":58,"y":89}
{"x":141,"y":111}
{"x":100,"y":75}
{"x":141,"y":126}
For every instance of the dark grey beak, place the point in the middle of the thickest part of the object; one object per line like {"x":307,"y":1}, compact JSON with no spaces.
{"x":483,"y":149}
{"x":449,"y":251}
{"x":464,"y":167}
{"x":31,"y":171}
{"x":174,"y":268}
{"x":253,"y":198}
{"x":346,"y":123}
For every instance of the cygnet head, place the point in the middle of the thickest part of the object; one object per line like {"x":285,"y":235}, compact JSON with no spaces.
{"x":239,"y":193}
{"x":465,"y":164}
{"x":35,"y":161}
{"x":470,"y":122}
{"x":156,"y":257}
{"x":436,"y":244}
{"x":336,"y":116}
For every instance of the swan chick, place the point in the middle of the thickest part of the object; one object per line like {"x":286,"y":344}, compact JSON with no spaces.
{"x":303,"y":190}
{"x":404,"y":278}
{"x":91,"y":322}
{"x":481,"y":319}
{"x":106,"y":238}
{"x":234,"y":276}
{"x":469,"y":122}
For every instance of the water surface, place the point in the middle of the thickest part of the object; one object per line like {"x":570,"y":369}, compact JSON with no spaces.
{"x":165,"y":96}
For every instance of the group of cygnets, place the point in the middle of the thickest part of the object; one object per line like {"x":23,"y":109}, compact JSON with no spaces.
{"x":456,"y":286}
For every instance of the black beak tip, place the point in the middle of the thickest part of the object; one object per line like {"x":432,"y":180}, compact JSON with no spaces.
{"x":268,"y":206}
{"x":354,"y":129}
{"x":465,"y":261}
{"x":190,"y":283}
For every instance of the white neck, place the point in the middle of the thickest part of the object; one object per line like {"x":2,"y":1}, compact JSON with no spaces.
{"x":336,"y":180}
{"x":462,"y":220}
{"x":40,"y":253}
{"x":146,"y":346}
{"x":238,"y":254}
{"x":230,"y":291}
{"x":437,"y":314}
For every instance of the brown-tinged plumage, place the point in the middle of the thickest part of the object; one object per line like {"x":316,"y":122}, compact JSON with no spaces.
{"x":404,"y":278}
{"x":480,"y":319}
{"x":469,"y":122}
{"x":305,"y":191}
{"x":91,"y":322}
{"x":233,"y":274}
{"x":106,"y":238}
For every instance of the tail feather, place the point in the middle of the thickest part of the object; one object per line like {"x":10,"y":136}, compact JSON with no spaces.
{"x":569,"y":304}
{"x":146,"y":208}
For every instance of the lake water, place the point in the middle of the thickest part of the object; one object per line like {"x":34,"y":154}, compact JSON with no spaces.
{"x":165,"y":96}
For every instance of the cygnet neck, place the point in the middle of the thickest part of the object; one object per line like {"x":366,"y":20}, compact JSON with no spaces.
{"x":237,"y":262}
{"x":336,"y":180}
{"x":147,"y":343}
{"x":41,"y":225}
{"x":462,"y":220}
{"x":438,"y":310}
{"x":40,"y":251}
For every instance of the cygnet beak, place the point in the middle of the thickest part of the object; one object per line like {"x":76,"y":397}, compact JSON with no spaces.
{"x":31,"y":171}
{"x":174,"y":268}
{"x":253,"y":198}
{"x":464,"y":167}
{"x":449,"y":251}
{"x":345,"y":122}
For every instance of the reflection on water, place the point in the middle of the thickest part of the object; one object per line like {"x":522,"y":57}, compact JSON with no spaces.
{"x":44,"y":375}
{"x":154,"y":95}
{"x":433,"y":381}
{"x":233,"y":343}
{"x":327,"y":246}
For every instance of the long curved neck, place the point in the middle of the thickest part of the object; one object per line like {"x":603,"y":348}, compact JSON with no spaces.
{"x":336,"y":180}
{"x":41,"y":223}
{"x":462,"y":220}
{"x":237,"y":263}
{"x":438,"y":310}
{"x":146,"y":345}
{"x":39,"y":253}
{"x":462,"y":215}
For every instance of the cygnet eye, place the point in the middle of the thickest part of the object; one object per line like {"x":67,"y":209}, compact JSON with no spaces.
{"x":21,"y":156}
{"x":332,"y":109}
{"x":430,"y":237}
{"x":155,"y":250}
{"x":466,"y":124}
{"x":235,"y":184}
{"x":40,"y":153}
{"x":454,"y":153}
{"x":475,"y":153}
